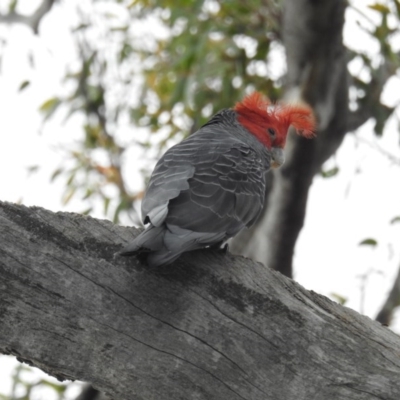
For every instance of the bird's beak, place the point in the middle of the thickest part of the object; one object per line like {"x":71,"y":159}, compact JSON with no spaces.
{"x":278,"y":157}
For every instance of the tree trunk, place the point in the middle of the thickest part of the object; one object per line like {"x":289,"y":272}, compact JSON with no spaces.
{"x":210,"y":326}
{"x":317,"y":73}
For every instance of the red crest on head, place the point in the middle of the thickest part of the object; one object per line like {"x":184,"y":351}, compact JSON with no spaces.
{"x":258,"y":115}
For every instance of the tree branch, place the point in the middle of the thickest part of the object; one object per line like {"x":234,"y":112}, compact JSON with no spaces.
{"x":211,"y":326}
{"x":393,"y":300}
{"x":33,"y":20}
{"x":371,"y":106}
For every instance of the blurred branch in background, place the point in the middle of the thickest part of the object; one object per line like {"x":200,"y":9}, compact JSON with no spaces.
{"x":168,"y":82}
{"x":201,"y":57}
{"x":33,"y":20}
{"x":392,"y":302}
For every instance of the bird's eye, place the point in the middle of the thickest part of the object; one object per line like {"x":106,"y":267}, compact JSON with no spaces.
{"x":272,"y":132}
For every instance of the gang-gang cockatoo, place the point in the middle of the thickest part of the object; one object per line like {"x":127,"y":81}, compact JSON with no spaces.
{"x":210,"y":186}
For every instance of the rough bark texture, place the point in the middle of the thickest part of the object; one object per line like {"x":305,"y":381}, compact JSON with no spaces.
{"x":211,"y":326}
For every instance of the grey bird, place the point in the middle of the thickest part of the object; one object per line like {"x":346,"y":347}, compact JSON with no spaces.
{"x":210,"y":186}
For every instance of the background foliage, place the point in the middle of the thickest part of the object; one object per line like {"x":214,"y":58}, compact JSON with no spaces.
{"x":202,"y":57}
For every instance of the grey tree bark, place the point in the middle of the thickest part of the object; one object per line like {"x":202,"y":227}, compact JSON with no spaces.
{"x":210,"y":326}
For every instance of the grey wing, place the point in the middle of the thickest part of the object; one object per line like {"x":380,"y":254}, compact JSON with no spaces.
{"x":165,"y":184}
{"x":169,"y":178}
{"x":225,"y":193}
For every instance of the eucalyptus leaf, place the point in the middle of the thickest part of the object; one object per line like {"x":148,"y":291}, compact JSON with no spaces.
{"x":395,"y":220}
{"x":49,"y":107}
{"x":368,"y":242}
{"x":330,"y":172}
{"x":23,"y":85}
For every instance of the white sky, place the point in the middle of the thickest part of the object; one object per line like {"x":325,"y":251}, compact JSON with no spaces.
{"x":356,"y":204}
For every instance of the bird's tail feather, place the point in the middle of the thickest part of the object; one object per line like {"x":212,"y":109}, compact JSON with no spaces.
{"x":178,"y":241}
{"x":165,"y":244}
{"x":151,"y":239}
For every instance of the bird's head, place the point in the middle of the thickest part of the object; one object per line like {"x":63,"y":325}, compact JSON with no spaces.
{"x":270,"y":122}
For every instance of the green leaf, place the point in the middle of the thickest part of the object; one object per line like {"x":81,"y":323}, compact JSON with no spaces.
{"x":12,"y":6}
{"x":383,"y":9}
{"x":126,"y":51}
{"x":55,"y":174}
{"x":106,"y":204}
{"x":120,"y":29}
{"x":80,"y":27}
{"x":395,"y":220}
{"x":33,"y":168}
{"x":330,"y":172}
{"x":368,"y":242}
{"x":87,"y":211}
{"x":23,"y":85}
{"x":59,"y":388}
{"x":89,"y":192}
{"x":339,"y":298}
{"x":71,"y":177}
{"x":49,"y":107}
{"x":68,"y":196}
